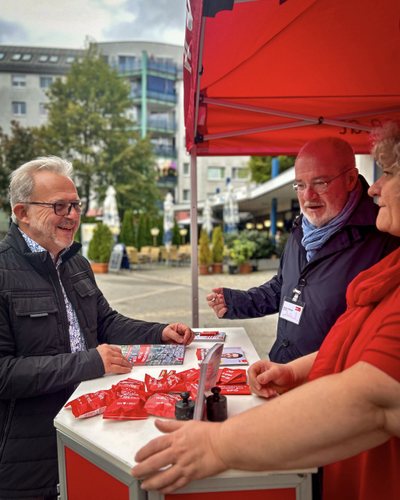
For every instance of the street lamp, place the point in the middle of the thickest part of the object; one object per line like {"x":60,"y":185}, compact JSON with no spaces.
{"x":154,"y":231}
{"x":249,"y":225}
{"x":183,"y":232}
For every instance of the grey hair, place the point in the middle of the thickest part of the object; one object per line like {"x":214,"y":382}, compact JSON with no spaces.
{"x":386,"y":145}
{"x":22,"y":179}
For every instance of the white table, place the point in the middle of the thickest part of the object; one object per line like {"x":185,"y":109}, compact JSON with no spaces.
{"x":96,"y":455}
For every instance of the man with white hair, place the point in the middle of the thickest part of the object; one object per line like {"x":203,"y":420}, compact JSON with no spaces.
{"x":56,"y":327}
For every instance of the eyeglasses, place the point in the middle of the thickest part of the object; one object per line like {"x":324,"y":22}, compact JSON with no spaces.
{"x":59,"y":207}
{"x":319,"y":187}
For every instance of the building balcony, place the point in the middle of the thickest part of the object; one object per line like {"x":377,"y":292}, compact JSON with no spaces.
{"x":158,"y":127}
{"x":165,"y":151}
{"x":152,"y":95}
{"x":134,"y":68}
{"x":167,"y":181}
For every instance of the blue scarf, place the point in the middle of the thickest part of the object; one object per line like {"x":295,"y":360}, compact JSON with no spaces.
{"x":314,"y":237}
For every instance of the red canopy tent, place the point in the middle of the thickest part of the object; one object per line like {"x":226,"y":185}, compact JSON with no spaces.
{"x":265,"y":76}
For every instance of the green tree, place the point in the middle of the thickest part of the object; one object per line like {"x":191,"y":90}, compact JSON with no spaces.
{"x":101,"y":244}
{"x":217,"y":241}
{"x":89,"y":124}
{"x":176,"y":237}
{"x":261,"y":167}
{"x":205,"y":257}
{"x":134,"y":175}
{"x":127,"y":235}
{"x":22,"y":144}
{"x":144,"y":235}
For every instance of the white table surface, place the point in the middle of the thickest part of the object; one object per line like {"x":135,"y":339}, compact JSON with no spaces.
{"x":119,"y":440}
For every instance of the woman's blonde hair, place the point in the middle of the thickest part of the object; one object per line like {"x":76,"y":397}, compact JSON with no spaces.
{"x":386,"y":145}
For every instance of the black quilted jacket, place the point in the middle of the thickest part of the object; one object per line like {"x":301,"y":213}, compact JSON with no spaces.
{"x":38,"y":372}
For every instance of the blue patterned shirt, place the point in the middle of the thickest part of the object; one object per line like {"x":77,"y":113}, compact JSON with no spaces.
{"x":75,"y":335}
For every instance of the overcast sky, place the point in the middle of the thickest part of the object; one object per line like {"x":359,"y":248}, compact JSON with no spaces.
{"x":66,"y":23}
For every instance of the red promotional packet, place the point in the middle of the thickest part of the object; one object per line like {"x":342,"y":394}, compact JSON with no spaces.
{"x":231,"y":376}
{"x":191,"y":375}
{"x":231,"y":390}
{"x":169,"y":383}
{"x":162,"y":405}
{"x":192,"y":388}
{"x":164,"y":373}
{"x":91,"y":404}
{"x":128,"y":386}
{"x":131,"y":408}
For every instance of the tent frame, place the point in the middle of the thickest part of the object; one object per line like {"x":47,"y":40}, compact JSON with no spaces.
{"x":193,"y":61}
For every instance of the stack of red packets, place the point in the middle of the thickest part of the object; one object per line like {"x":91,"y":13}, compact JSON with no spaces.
{"x":132,"y":399}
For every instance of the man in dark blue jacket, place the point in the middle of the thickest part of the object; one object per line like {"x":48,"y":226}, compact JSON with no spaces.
{"x":56,"y":327}
{"x":330,"y":243}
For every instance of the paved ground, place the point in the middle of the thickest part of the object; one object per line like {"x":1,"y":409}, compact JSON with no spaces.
{"x":163,"y":293}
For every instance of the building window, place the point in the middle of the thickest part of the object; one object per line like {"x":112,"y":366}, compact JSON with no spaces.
{"x":160,"y":85}
{"x":42,"y":109}
{"x":2,"y":55}
{"x":70,"y":59}
{"x":53,"y":59}
{"x":186,"y":195}
{"x":18,"y":80}
{"x":45,"y":82}
{"x":215,"y":173}
{"x":128,"y":63}
{"x":43,"y":58}
{"x":186,"y":169}
{"x":239,"y":173}
{"x":26,"y":57}
{"x":16,"y":57}
{"x":19,"y":108}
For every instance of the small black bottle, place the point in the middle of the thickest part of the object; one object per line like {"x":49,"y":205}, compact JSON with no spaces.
{"x":184,"y":409}
{"x":217,"y":409}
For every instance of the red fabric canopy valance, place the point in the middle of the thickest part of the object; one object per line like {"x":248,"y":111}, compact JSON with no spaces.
{"x":265,"y":76}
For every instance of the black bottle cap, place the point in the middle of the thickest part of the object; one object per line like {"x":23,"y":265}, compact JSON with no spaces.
{"x":184,"y":409}
{"x":217,"y":409}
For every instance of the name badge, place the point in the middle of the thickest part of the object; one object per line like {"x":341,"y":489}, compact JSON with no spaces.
{"x":291,"y":311}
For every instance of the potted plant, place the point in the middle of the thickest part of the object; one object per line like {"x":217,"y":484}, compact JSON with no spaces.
{"x":265,"y":248}
{"x":204,"y":253}
{"x":241,"y":252}
{"x":217,"y":249}
{"x":100,"y":248}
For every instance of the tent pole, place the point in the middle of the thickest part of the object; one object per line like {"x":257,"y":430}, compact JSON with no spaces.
{"x":193,"y":238}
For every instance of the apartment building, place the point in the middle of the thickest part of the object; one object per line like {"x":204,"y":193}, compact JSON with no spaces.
{"x":154,"y":73}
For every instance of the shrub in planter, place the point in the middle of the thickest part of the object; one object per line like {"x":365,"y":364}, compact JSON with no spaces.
{"x":205,"y":257}
{"x":101,"y":244}
{"x":241,"y":252}
{"x":217,"y":249}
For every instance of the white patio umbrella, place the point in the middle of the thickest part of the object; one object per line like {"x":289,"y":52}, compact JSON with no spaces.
{"x":207,"y":217}
{"x":110,"y":211}
{"x":168,"y":219}
{"x":230,"y":210}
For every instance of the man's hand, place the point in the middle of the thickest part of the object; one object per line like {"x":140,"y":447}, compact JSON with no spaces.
{"x":113,"y":360}
{"x":217,"y":302}
{"x":177,"y":333}
{"x":187,"y":452}
{"x":267,"y":379}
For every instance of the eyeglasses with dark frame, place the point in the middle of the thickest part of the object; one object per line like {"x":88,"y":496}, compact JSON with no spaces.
{"x":320,"y":187}
{"x":60,"y":208}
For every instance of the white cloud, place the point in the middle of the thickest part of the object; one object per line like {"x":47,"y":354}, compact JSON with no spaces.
{"x":66,"y":23}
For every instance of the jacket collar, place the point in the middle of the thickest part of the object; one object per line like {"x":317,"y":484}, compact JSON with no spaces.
{"x":16,"y":240}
